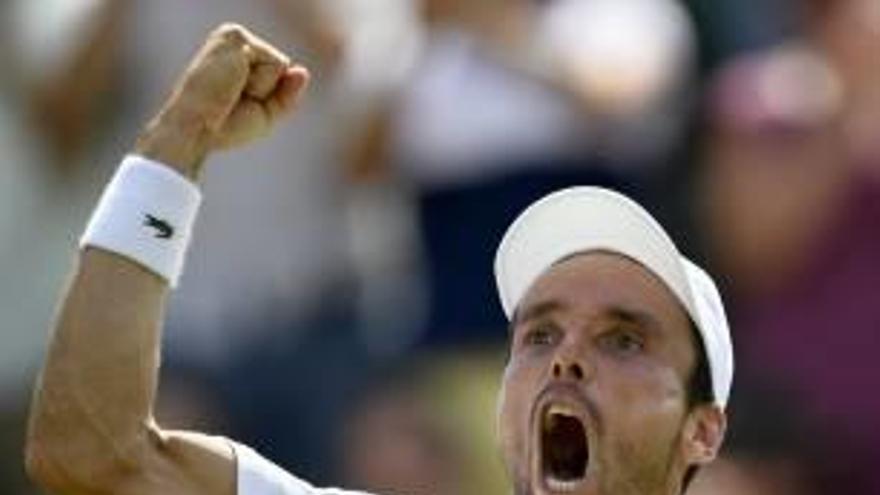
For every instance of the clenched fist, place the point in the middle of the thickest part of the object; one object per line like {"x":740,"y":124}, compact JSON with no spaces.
{"x":234,"y":90}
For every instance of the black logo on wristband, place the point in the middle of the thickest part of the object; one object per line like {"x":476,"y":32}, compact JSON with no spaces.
{"x":164,"y":230}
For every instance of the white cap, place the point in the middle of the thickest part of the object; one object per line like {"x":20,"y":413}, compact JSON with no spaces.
{"x":582,"y":219}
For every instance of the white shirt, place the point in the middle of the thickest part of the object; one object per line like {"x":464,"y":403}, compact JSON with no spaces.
{"x":462,"y":107}
{"x":259,"y":476}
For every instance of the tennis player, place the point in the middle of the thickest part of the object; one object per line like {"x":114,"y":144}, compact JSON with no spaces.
{"x":620,"y":357}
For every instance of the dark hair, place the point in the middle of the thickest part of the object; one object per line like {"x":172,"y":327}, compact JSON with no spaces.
{"x":699,"y":392}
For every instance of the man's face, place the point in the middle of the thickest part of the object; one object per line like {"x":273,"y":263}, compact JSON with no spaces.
{"x":594,"y":397}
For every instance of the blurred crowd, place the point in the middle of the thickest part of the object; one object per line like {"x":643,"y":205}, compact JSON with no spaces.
{"x":338,"y":310}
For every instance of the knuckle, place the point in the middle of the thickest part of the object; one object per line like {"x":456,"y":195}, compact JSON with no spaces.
{"x":231,"y":32}
{"x":270,"y":69}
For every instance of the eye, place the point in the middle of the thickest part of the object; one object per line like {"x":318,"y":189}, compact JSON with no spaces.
{"x":540,"y":335}
{"x":623,"y":342}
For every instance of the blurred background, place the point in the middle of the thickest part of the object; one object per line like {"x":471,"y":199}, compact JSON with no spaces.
{"x":338,"y":310}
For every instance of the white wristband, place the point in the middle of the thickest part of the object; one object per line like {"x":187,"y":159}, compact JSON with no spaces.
{"x":146,"y":214}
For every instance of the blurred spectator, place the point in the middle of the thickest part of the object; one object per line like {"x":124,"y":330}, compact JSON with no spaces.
{"x":396,"y":444}
{"x":287,"y":396}
{"x":769,"y":448}
{"x":47,"y":183}
{"x":791,"y":206}
{"x":426,"y":426}
{"x":746,"y":477}
{"x":497,"y":112}
{"x":728,"y":28}
{"x":67,"y":55}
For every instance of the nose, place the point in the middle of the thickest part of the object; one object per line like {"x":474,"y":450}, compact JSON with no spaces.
{"x":568,"y":368}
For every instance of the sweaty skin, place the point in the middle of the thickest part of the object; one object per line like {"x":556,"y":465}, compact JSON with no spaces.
{"x":91,"y":427}
{"x":603,"y":337}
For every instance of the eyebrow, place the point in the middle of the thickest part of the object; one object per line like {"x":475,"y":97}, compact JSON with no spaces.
{"x":620,"y":313}
{"x":633,"y":316}
{"x":535,"y":312}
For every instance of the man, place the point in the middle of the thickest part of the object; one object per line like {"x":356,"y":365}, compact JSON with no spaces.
{"x":609,"y":324}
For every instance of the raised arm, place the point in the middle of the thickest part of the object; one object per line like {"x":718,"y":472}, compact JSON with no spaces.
{"x":91,"y":426}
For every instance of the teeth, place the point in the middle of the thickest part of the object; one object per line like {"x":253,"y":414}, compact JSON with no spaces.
{"x":557,"y":485}
{"x":561,"y":410}
{"x":553,"y":413}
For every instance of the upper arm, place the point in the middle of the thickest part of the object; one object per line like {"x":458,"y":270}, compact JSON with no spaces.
{"x":183,"y":463}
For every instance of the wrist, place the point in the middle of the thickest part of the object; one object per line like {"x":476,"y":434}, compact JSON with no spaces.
{"x":146,"y":214}
{"x":179,"y":142}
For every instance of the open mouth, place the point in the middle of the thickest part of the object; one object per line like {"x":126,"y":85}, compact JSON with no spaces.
{"x":564,"y":449}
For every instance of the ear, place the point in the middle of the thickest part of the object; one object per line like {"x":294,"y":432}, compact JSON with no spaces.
{"x":703,"y":434}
